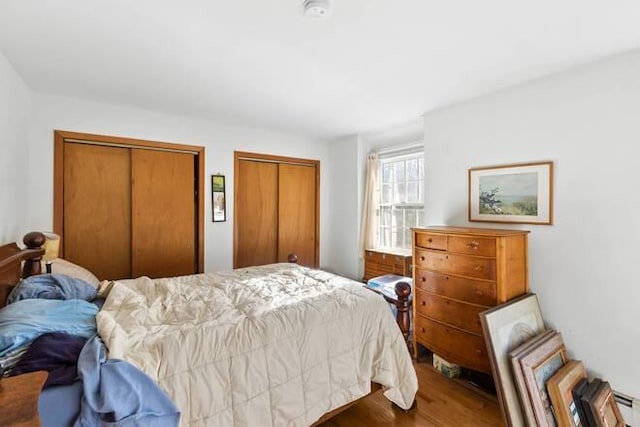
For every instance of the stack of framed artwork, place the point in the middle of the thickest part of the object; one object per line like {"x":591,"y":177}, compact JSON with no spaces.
{"x":536,"y":382}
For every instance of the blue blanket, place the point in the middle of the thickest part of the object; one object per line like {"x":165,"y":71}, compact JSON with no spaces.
{"x":117,"y":393}
{"x":52,"y":286}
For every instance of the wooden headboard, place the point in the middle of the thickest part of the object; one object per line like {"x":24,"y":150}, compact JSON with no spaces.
{"x":11,"y":258}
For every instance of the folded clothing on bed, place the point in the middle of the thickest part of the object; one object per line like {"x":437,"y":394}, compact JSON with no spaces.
{"x":57,"y":353}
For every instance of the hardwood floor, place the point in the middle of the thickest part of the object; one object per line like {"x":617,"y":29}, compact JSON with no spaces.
{"x":442,"y":402}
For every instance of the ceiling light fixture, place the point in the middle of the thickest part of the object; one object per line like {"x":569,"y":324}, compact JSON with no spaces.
{"x":316,"y":8}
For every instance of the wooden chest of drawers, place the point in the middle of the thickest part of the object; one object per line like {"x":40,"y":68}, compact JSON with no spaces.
{"x":458,"y":273}
{"x":379,"y":262}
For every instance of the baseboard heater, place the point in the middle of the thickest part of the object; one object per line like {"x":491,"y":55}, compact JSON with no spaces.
{"x":629,"y":407}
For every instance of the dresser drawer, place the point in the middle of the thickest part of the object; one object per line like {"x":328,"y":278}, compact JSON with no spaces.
{"x":472,"y":245}
{"x":474,"y":267}
{"x":379,"y":258}
{"x":431,"y":241}
{"x":386,"y":259}
{"x":453,"y":344}
{"x":474,"y":291}
{"x":454,"y":313}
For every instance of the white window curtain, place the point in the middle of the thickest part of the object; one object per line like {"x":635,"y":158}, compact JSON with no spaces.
{"x":369,"y":223}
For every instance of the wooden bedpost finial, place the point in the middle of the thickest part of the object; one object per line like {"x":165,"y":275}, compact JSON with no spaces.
{"x":32,"y":266}
{"x":34,"y":240}
{"x":293,"y":258}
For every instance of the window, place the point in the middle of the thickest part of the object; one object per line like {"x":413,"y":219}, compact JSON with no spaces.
{"x":401,"y":198}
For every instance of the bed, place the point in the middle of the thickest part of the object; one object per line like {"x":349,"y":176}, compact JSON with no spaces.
{"x":272,"y":345}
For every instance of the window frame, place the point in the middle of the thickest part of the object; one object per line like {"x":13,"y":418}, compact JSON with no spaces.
{"x":387,"y":231}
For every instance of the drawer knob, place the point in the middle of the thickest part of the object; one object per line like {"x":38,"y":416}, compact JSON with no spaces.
{"x":422,"y":258}
{"x":422,"y":330}
{"x":473,"y":245}
{"x":424,"y":279}
{"x":423,"y":303}
{"x":429,"y":240}
{"x":446,"y":277}
{"x":478,"y":268}
{"x":478,"y":351}
{"x":479,"y":293}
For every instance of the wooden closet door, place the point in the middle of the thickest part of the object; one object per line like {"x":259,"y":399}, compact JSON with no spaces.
{"x":163,"y":213}
{"x":297,"y":213}
{"x":256,"y":213}
{"x":97,"y":206}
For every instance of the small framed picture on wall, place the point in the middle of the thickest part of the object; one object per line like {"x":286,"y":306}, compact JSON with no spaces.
{"x":218,"y":198}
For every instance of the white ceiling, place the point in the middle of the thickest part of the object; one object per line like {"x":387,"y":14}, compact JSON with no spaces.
{"x":370,"y":65}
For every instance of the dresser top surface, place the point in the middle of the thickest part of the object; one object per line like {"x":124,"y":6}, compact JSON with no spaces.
{"x":491,"y":232}
{"x":400,"y":252}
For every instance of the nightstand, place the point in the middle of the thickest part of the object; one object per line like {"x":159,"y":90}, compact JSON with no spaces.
{"x":19,"y":399}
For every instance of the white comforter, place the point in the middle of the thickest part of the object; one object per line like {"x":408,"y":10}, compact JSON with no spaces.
{"x":276,"y":345}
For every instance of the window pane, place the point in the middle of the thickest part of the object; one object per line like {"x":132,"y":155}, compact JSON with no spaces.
{"x":385,"y":237}
{"x":412,"y":192}
{"x":399,"y":196}
{"x":398,"y":218}
{"x":397,"y":238}
{"x":386,"y":172}
{"x":399,"y":171}
{"x":421,"y":191}
{"x":385,"y":194}
{"x":412,"y":170}
{"x":385,"y":216}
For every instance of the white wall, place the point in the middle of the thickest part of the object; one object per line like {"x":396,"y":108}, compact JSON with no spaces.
{"x":584,"y":268}
{"x":15,"y":107}
{"x":344,"y":219}
{"x":220,"y":140}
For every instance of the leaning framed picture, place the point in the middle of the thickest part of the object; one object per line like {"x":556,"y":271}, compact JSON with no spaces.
{"x":218,"y":197}
{"x":560,"y":387}
{"x":604,"y":407}
{"x":515,"y":355}
{"x":540,"y":364}
{"x":516,"y":193}
{"x":505,"y":327}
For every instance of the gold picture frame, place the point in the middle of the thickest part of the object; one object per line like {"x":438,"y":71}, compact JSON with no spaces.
{"x":514,"y":193}
{"x":560,"y":387}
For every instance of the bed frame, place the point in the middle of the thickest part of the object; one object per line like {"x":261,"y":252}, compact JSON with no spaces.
{"x":17,"y":263}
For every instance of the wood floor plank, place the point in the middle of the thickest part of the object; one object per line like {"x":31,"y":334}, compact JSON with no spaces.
{"x":442,"y":402}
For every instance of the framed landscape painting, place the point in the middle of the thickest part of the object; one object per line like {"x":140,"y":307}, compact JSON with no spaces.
{"x":518,"y":193}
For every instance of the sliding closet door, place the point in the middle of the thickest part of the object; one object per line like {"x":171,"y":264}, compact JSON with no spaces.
{"x":163,"y":213}
{"x":127,"y":207}
{"x":297,"y":213}
{"x":256,"y":213}
{"x":276,"y":210}
{"x":97,"y":205}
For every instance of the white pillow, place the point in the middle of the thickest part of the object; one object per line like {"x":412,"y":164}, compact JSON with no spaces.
{"x":62,"y":266}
